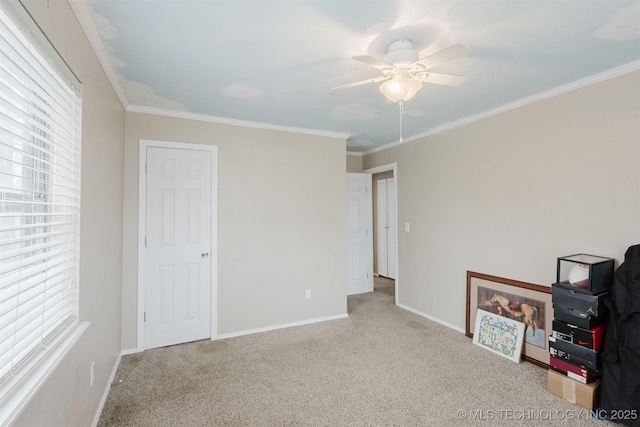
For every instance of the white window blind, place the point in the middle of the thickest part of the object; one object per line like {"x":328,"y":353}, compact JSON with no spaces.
{"x":40,"y":114}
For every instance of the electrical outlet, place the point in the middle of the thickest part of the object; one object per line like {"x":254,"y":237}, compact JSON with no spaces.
{"x":93,"y":372}
{"x":307,"y":294}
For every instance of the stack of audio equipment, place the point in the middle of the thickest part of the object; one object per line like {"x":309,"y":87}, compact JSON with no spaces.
{"x":580,"y":317}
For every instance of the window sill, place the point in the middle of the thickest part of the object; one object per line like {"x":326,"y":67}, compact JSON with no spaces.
{"x":21,"y":395}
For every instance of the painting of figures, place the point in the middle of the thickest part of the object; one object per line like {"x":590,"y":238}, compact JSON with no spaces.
{"x":529,"y":311}
{"x":523,"y":302}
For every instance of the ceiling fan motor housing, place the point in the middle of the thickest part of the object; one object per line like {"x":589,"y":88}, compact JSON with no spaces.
{"x":401,"y":54}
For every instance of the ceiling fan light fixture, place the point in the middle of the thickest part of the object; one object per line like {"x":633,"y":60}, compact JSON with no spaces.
{"x":400,"y":89}
{"x":401,"y":54}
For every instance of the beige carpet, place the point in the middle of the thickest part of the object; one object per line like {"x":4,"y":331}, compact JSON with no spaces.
{"x":382,"y":366}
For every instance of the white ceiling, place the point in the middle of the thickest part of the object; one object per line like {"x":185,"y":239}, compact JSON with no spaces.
{"x":274,"y":62}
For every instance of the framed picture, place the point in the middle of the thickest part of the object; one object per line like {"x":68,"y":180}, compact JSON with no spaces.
{"x":525,"y":302}
{"x":498,"y":334}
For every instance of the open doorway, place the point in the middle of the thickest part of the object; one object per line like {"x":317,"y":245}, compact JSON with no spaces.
{"x":385,"y":285}
{"x":385,"y":249}
{"x":384,"y":230}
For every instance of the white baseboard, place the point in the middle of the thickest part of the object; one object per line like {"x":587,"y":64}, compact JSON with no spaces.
{"x":281,"y":326}
{"x":129,"y":351}
{"x":255,"y":331}
{"x":435,"y":319}
{"x":106,"y":391}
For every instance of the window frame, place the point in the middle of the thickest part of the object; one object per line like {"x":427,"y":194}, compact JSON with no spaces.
{"x":19,"y":387}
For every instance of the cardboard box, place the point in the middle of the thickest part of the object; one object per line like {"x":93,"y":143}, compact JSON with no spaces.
{"x":589,"y":338}
{"x":584,"y":395}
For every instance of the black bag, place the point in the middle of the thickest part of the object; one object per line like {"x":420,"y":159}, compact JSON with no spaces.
{"x":620,"y":393}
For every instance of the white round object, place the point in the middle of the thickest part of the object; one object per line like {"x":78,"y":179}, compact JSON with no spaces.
{"x":579,"y":276}
{"x":401,"y":52}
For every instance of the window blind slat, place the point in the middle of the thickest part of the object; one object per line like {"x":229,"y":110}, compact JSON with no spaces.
{"x":19,"y":133}
{"x":39,"y":203}
{"x":33,"y":266}
{"x":39,"y":236}
{"x":10,"y":228}
{"x":54,"y":267}
{"x":12,"y":108}
{"x":35,"y":248}
{"x":33,"y":276}
{"x":26,"y":214}
{"x":31,"y":321}
{"x":7,"y":320}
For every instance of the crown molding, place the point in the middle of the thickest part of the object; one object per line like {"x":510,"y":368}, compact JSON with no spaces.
{"x":80,"y":9}
{"x":82,"y":13}
{"x":596,"y":78}
{"x":233,"y":122}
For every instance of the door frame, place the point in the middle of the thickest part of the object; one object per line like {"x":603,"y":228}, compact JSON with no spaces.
{"x":385,"y":168}
{"x":142,"y":227}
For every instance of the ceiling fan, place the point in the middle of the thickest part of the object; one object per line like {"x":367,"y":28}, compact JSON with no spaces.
{"x":403,"y":71}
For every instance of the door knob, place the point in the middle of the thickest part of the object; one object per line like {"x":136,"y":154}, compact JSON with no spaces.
{"x":205,"y":254}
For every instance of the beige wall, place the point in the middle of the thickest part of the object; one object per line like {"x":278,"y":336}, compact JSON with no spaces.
{"x":509,"y":194}
{"x":67,"y":397}
{"x":281,"y":222}
{"x":503,"y":196}
{"x":354,"y":163}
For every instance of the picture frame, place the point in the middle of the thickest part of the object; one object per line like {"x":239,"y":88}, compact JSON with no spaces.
{"x":498,"y":334}
{"x":521,"y":301}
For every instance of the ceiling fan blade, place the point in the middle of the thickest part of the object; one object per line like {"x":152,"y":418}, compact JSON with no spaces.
{"x":375,"y":79}
{"x":445,"y":79}
{"x":452,"y":52}
{"x":376,"y":63}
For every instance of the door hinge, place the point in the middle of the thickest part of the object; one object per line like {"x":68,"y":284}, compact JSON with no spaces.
{"x":145,"y":167}
{"x":145,"y":316}
{"x":145,"y":241}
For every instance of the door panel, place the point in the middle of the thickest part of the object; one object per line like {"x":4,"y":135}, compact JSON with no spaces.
{"x":359,"y":236}
{"x":386,"y":227}
{"x":391,"y":228}
{"x":381,"y":211}
{"x":178,"y":265}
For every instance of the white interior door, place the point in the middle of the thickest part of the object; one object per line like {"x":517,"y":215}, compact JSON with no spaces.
{"x":391,"y":228}
{"x":381,"y":211}
{"x":178,"y":236}
{"x":386,"y":227}
{"x":359,"y":235}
